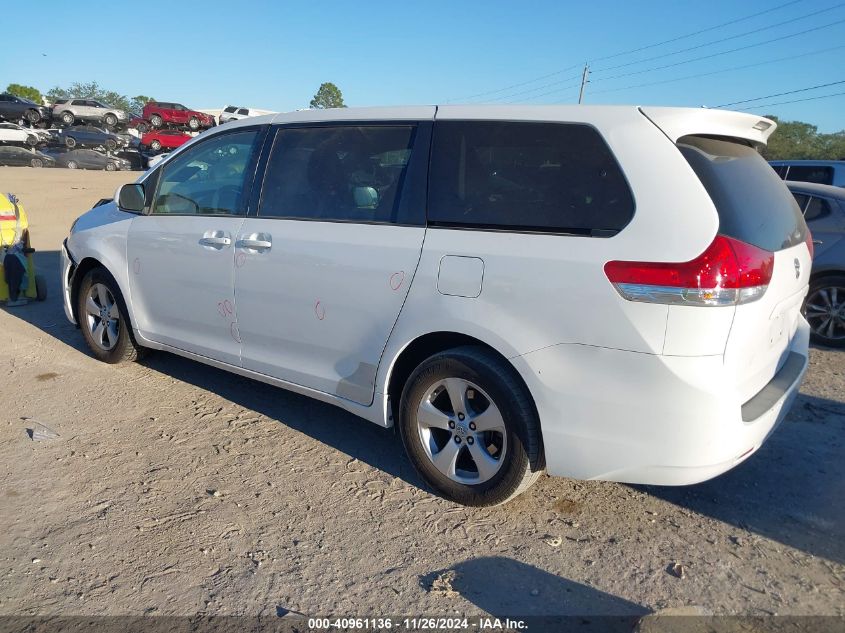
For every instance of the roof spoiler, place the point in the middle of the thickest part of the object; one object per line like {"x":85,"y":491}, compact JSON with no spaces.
{"x":678,"y":122}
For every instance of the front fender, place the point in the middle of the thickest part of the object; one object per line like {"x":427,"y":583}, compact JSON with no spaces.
{"x":100,"y":235}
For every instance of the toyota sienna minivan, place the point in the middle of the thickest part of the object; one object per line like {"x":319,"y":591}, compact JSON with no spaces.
{"x":598,"y":292}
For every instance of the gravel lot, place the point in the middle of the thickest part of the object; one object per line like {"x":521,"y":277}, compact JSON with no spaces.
{"x":174,"y":488}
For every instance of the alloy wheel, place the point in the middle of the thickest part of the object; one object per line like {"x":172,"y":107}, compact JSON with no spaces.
{"x":102,"y":316}
{"x":825,"y":312}
{"x":462,"y":431}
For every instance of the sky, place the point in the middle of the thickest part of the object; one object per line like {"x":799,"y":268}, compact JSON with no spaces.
{"x":275,"y":55}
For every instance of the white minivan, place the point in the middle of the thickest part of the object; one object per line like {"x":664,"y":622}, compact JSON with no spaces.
{"x":599,"y":292}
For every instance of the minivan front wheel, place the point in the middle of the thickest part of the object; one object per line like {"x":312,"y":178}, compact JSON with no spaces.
{"x":101,"y":314}
{"x":469,"y":427}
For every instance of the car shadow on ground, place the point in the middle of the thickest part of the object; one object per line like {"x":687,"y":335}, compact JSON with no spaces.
{"x":790,"y":491}
{"x":504,"y":588}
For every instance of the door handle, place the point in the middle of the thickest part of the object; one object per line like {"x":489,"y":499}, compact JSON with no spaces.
{"x":257,"y":244}
{"x":215,"y":241}
{"x":256,"y":241}
{"x":817,"y":242}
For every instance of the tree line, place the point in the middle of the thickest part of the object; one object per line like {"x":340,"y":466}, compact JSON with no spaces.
{"x":792,"y":140}
{"x":327,"y":96}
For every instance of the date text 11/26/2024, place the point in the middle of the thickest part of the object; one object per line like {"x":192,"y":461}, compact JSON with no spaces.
{"x":417,"y":624}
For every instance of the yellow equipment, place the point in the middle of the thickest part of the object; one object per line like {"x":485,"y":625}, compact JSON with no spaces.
{"x":14,"y":229}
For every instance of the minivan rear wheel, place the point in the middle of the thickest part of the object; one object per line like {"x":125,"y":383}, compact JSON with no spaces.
{"x":101,"y":314}
{"x":824,"y":309}
{"x":469,"y":427}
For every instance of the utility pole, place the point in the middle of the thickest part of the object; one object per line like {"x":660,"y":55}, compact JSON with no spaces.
{"x":584,"y":81}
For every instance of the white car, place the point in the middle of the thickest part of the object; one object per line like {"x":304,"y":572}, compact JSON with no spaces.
{"x":600,"y":292}
{"x":18,"y":135}
{"x":152,"y":161}
{"x":234,"y":113}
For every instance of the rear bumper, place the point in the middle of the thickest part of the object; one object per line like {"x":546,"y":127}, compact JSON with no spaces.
{"x":648,"y":419}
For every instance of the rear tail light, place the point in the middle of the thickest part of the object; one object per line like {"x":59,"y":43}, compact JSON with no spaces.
{"x":810,"y":246}
{"x":728,"y":272}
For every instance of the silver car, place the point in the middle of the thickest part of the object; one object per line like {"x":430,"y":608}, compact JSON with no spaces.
{"x":69,"y":111}
{"x":824,"y":210}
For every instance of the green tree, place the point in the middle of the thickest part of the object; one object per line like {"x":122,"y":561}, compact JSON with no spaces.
{"x":328,"y":96}
{"x":137,"y":103}
{"x":90,"y":90}
{"x":25,"y":92}
{"x":795,"y":140}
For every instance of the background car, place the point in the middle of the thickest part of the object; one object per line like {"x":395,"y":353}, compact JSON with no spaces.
{"x":12,"y":133}
{"x":90,"y":159}
{"x":170,"y":139}
{"x":234,"y":113}
{"x":18,"y":156}
{"x":88,"y":136}
{"x":138,"y":122}
{"x":136,"y":160}
{"x":69,"y":111}
{"x":152,"y":161}
{"x":14,"y":108}
{"x":159,"y":113}
{"x":823,"y":172}
{"x":824,"y":308}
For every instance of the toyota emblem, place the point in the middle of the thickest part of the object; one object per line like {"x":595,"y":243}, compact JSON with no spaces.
{"x":797,"y":268}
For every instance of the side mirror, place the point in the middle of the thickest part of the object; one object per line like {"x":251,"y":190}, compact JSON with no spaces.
{"x":131,"y":198}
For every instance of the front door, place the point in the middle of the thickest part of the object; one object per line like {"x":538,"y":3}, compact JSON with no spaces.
{"x":181,"y":254}
{"x":323,"y":270}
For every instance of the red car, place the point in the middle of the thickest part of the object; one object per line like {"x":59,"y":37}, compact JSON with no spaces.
{"x":169,"y":139}
{"x":159,"y":113}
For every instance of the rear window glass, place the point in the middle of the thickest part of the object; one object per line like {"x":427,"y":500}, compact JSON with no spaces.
{"x":753,"y":203}
{"x":549,"y":177}
{"x":804,"y":173}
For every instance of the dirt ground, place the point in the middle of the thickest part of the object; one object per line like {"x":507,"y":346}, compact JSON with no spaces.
{"x":174,"y":488}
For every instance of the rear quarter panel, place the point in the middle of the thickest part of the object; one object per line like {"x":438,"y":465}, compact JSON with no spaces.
{"x":541,"y":290}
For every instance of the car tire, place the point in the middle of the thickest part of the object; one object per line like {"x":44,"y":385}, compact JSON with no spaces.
{"x":110,"y":166}
{"x":72,"y":164}
{"x":70,"y":141}
{"x":67,"y":118}
{"x":824,"y":309}
{"x":156,"y":120}
{"x":36,"y":162}
{"x":155,"y":145}
{"x":40,"y":287}
{"x":104,"y":322}
{"x":32,"y":140}
{"x":33,"y":116}
{"x":111,"y":144}
{"x":110,"y":120}
{"x":143,"y":128}
{"x":194,"y":123}
{"x":505,"y":459}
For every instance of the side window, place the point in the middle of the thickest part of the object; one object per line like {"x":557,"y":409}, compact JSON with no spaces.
{"x":229,"y":109}
{"x":801,"y":199}
{"x":817,"y":209}
{"x":208,"y":179}
{"x":243,"y":111}
{"x":821,"y":175}
{"x":781,"y":170}
{"x":549,"y":177}
{"x":339,"y":173}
